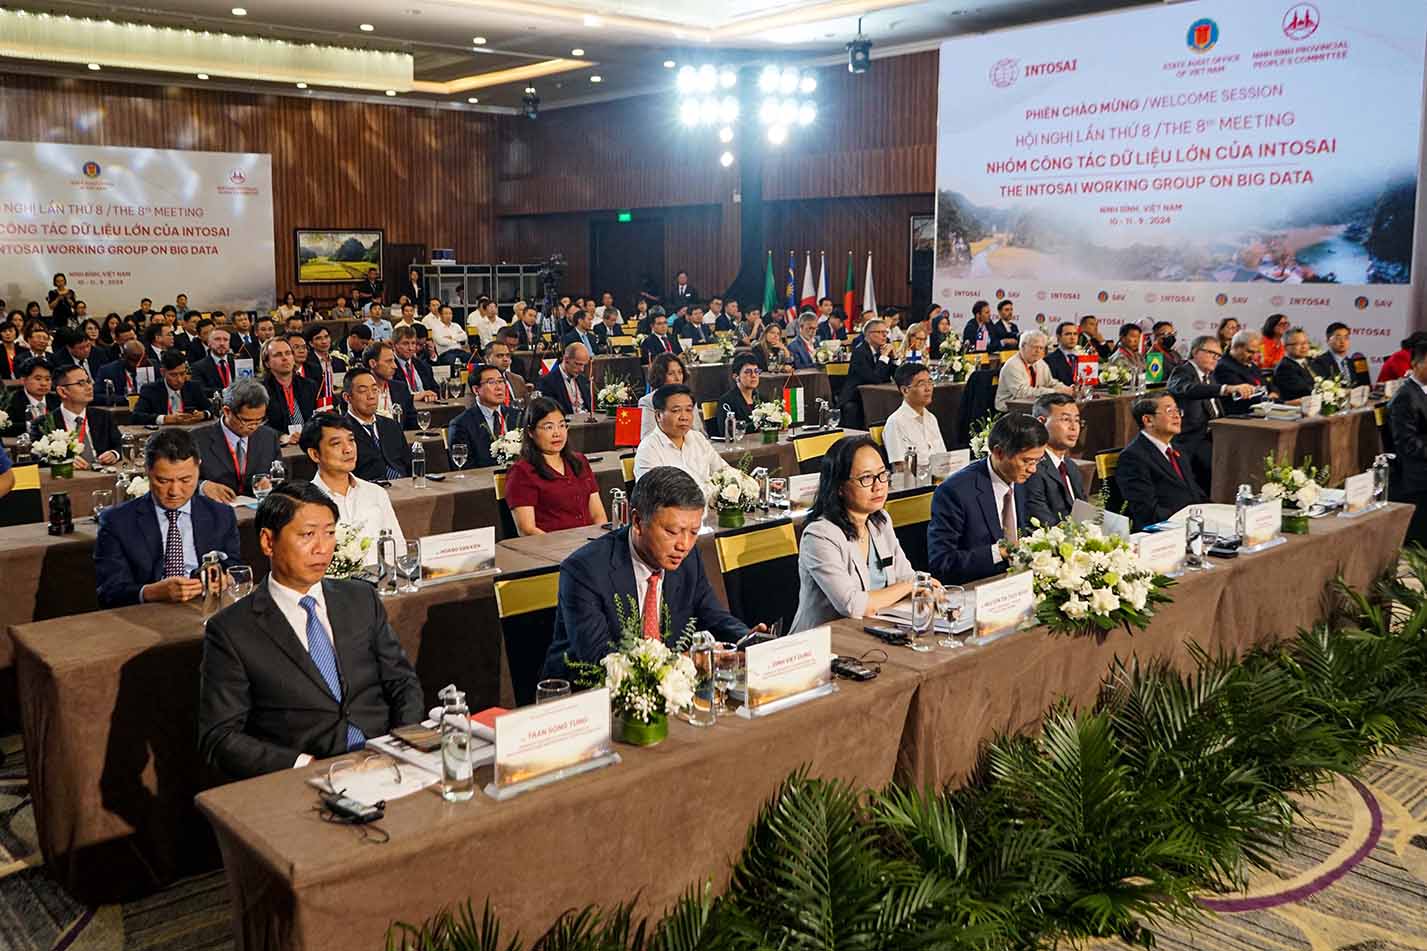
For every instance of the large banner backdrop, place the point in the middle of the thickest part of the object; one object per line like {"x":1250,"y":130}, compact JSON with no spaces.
{"x":123,"y":224}
{"x":1187,"y":162}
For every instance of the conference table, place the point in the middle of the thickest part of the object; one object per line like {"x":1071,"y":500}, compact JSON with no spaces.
{"x":1346,"y":442}
{"x":880,"y":401}
{"x":675,"y":815}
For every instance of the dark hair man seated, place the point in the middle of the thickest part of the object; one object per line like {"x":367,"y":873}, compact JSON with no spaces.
{"x":305,"y":666}
{"x":1153,"y":477}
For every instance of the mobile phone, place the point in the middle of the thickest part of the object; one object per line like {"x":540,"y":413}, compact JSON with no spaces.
{"x":892,"y":635}
{"x":350,"y":810}
{"x":852,"y":669}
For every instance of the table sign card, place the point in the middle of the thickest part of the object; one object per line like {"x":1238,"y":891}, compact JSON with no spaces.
{"x":1357,"y":493}
{"x":708,"y":353}
{"x":1163,"y":552}
{"x":944,"y":464}
{"x":802,"y":489}
{"x":243,"y":366}
{"x":788,"y":671}
{"x":457,"y":554}
{"x":542,"y":744}
{"x":1116,"y":524}
{"x":1358,"y":396}
{"x":1390,"y":388}
{"x":144,"y":375}
{"x":1310,"y":405}
{"x":1263,"y":524}
{"x":441,"y":373}
{"x":1003,"y":606}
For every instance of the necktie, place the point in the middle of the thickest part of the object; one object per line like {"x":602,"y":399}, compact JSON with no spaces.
{"x":509,"y":391}
{"x":223,"y":372}
{"x":1008,"y":519}
{"x":319,"y":648}
{"x":411,"y":376}
{"x":1032,"y":369}
{"x":1065,"y":474}
{"x":1173,"y":455}
{"x":175,"y":402}
{"x":242,"y":458}
{"x":173,"y":547}
{"x":392,"y":472}
{"x":650,"y":616}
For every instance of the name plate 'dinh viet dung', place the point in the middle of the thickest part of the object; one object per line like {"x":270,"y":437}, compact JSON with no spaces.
{"x":1004,"y":605}
{"x":457,"y":554}
{"x":549,"y":741}
{"x":788,"y":671}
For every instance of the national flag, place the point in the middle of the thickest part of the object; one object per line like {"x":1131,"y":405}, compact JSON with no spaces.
{"x":849,"y":293}
{"x":1087,"y":369}
{"x":547,"y":364}
{"x":869,"y":294}
{"x":770,"y":291}
{"x":1154,"y":367}
{"x":628,"y":421}
{"x":822,"y":275}
{"x":792,"y":286}
{"x":793,"y":402}
{"x":810,"y":297}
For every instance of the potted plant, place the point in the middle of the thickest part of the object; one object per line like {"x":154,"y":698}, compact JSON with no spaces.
{"x":771,"y":418}
{"x":732,"y":492}
{"x":506,"y":449}
{"x":58,"y":448}
{"x":1298,"y":486}
{"x":612,"y":396}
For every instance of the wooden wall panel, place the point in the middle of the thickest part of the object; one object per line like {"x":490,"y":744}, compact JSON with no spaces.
{"x":424,"y":176}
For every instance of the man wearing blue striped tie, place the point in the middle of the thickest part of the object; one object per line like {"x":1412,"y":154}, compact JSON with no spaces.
{"x":305,"y":666}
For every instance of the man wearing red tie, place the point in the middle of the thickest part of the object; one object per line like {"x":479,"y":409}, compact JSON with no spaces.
{"x":323,"y":364}
{"x":291,"y":399}
{"x":1052,"y":490}
{"x":95,"y":428}
{"x":414,"y":373}
{"x":659,"y":340}
{"x":215,"y":372}
{"x":488,"y":419}
{"x":1153,"y":478}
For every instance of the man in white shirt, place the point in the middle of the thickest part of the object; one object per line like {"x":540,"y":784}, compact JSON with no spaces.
{"x":378,"y":324}
{"x":1026,"y":375}
{"x":485,"y":321}
{"x":913,"y":424}
{"x":331,"y":444}
{"x":673,"y":442}
{"x":432,"y":317}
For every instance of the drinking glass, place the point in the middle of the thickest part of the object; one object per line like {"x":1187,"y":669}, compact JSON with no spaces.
{"x":777,"y":493}
{"x":396,"y":413}
{"x":240,"y":582}
{"x":953,"y":602}
{"x":728,"y":664}
{"x":408,"y":562}
{"x":101,"y":499}
{"x":131,"y":451}
{"x":262,"y":485}
{"x":923,"y":611}
{"x":278,"y":472}
{"x":423,"y":420}
{"x":554,"y":689}
{"x":460,"y":452}
{"x":457,"y":388}
{"x":834,"y":418}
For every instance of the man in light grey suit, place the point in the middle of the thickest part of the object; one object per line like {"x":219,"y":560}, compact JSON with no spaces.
{"x":1053,"y":488}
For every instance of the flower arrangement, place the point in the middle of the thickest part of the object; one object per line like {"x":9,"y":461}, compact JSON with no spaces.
{"x":1333,"y":393}
{"x":137,"y":487}
{"x":1113,"y":376}
{"x":727,"y":342}
{"x":828,"y":351}
{"x":4,"y":419}
{"x":1087,"y":582}
{"x":732,"y":490}
{"x":57,"y":447}
{"x":1298,"y":486}
{"x":950,"y":346}
{"x":959,"y":366}
{"x":350,"y":555}
{"x":613,"y":395}
{"x":771,"y":415}
{"x":506,"y":449}
{"x":981,"y":436}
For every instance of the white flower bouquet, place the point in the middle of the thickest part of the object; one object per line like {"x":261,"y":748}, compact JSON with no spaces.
{"x":1087,"y":582}
{"x":506,"y":449}
{"x":958,"y":366}
{"x":350,"y":556}
{"x":771,"y":415}
{"x":1113,"y":376}
{"x":137,"y":487}
{"x":828,"y":351}
{"x":4,"y":419}
{"x":732,"y":490}
{"x":648,"y":679}
{"x":613,"y":395}
{"x":57,"y":447}
{"x":1298,"y":486}
{"x":981,"y":437}
{"x":1333,"y":393}
{"x":728,"y":343}
{"x":950,"y":346}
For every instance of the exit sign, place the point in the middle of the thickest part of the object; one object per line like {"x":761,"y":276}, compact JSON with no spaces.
{"x":625,"y":216}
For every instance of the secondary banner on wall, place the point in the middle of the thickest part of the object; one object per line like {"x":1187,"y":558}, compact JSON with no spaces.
{"x":123,"y":224}
{"x":1187,"y":162}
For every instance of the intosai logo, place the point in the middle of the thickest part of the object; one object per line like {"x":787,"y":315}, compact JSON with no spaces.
{"x":237,"y":177}
{"x":1151,"y":297}
{"x":91,"y":169}
{"x":1103,"y":296}
{"x":1276,"y":300}
{"x":1040,"y":318}
{"x":1203,"y":34}
{"x":1040,"y":295}
{"x":1221,"y":299}
{"x":1004,"y":72}
{"x":1301,"y":21}
{"x":1361,"y":303}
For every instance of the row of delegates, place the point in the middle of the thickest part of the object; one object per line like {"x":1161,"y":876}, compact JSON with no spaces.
{"x":664,"y":370}
{"x":278,"y":700}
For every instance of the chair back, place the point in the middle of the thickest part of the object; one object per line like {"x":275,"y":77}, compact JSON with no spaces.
{"x":760,"y":571}
{"x":25,"y":503}
{"x":507,"y":518}
{"x":977,"y":402}
{"x":876,"y":433}
{"x":1106,"y":463}
{"x":809,"y":449}
{"x":626,"y":463}
{"x":526,"y":604}
{"x":1384,"y":428}
{"x":709,"y":409}
{"x":911,"y":514}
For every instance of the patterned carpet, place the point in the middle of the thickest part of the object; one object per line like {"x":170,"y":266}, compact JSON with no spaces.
{"x":1357,"y":881}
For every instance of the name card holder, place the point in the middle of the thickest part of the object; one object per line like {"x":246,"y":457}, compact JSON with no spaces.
{"x":457,"y":555}
{"x":1358,"y":495}
{"x":1163,"y":552}
{"x":543,"y":744}
{"x":1263,"y":527}
{"x":788,"y":671}
{"x":1004,"y":606}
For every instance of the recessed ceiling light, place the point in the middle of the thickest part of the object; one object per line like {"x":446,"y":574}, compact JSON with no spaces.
{"x":478,"y":40}
{"x":202,"y":75}
{"x":365,"y":27}
{"x":302,"y":85}
{"x":473,"y":100}
{"x":592,"y":20}
{"x":239,"y":12}
{"x":94,"y":66}
{"x":596,"y":78}
{"x":669,"y":64}
{"x":577,"y":52}
{"x":391,"y":92}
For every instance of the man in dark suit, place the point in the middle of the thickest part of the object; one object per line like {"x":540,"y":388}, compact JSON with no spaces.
{"x":202,"y":340}
{"x":263,"y":330}
{"x":682,"y":292}
{"x":660,"y":340}
{"x":393,"y":393}
{"x":117,"y":381}
{"x":215,"y":371}
{"x":305,"y":666}
{"x":1292,"y":377}
{"x":1052,"y":490}
{"x":487,"y":419}
{"x":1407,"y":421}
{"x":149,"y":547}
{"x":71,"y":346}
{"x":238,"y":446}
{"x":1336,"y":361}
{"x":497,"y":354}
{"x":32,"y":400}
{"x":369,"y":289}
{"x":411,"y":370}
{"x":978,"y":513}
{"x":1005,"y":335}
{"x":976,"y":335}
{"x":872,"y":362}
{"x":568,"y":382}
{"x":96,"y":427}
{"x":527,"y":331}
{"x":382,"y":450}
{"x":323,"y":364}
{"x":1062,"y":360}
{"x":173,"y":399}
{"x":695,"y":329}
{"x":1201,"y":400}
{"x":1239,"y":365}
{"x":584,"y":333}
{"x":651,"y":567}
{"x":1153,"y":477}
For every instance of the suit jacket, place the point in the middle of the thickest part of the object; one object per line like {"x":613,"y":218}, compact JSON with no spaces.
{"x":1060,"y":367}
{"x":1324,"y":365}
{"x":832,"y":572}
{"x":196,"y":350}
{"x":1194,"y":400}
{"x":1149,"y":485}
{"x":651,"y":347}
{"x":803,"y":355}
{"x":1292,"y":379}
{"x":92,"y":363}
{"x":972,"y":331}
{"x":1002,"y":332}
{"x":217,"y":461}
{"x":831,"y":329}
{"x":129,"y":552}
{"x":1015,"y":382}
{"x":116,"y":373}
{"x":526,"y":338}
{"x":696,"y":333}
{"x":304,"y":396}
{"x":1407,"y":422}
{"x":552,"y":385}
{"x":965,"y":524}
{"x":424,"y":377}
{"x":586,"y":622}
{"x":470,"y":427}
{"x":1047,"y":498}
{"x":153,"y":401}
{"x":18,"y":409}
{"x":103,"y":432}
{"x":374,"y":456}
{"x":866,"y":368}
{"x":205,"y":371}
{"x":733,"y":399}
{"x":262,"y":701}
{"x":678,"y":297}
{"x":1230,"y":371}
{"x":596,"y":344}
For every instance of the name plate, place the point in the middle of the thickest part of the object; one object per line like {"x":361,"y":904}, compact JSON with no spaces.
{"x":802,"y":489}
{"x":243,"y":366}
{"x":1358,"y":396}
{"x":457,"y":554}
{"x":550,"y":741}
{"x":1357,"y":493}
{"x":1311,"y":405}
{"x":143,"y":375}
{"x":943,"y":464}
{"x":788,"y":671}
{"x":441,"y":373}
{"x":1004,"y":605}
{"x":1163,"y":552}
{"x":1262,"y":524}
{"x":1390,"y":388}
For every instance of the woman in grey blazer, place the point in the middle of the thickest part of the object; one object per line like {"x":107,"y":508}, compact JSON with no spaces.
{"x":665,"y":368}
{"x":849,"y":561}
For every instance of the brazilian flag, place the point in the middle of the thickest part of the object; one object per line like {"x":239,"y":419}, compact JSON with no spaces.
{"x":1154,"y":367}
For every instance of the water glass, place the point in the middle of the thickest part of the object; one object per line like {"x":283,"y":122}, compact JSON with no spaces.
{"x":278,"y":472}
{"x":408,"y":562}
{"x":923,"y":611}
{"x":101,"y":499}
{"x":262,"y":485}
{"x":953,"y":602}
{"x":460,"y":452}
{"x":553,"y":689}
{"x":730,"y":673}
{"x":834,"y":418}
{"x":240,"y":582}
{"x":423,"y":420}
{"x":396,"y":413}
{"x":777,"y":493}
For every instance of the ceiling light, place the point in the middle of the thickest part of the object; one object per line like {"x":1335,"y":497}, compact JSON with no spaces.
{"x":302,"y":85}
{"x":577,"y":52}
{"x":725,"y":135}
{"x":728,"y":110}
{"x":726,"y":159}
{"x":788,"y":80}
{"x":778,"y":134}
{"x":596,"y":78}
{"x":591,"y":20}
{"x":478,"y":40}
{"x":768,"y":112}
{"x":530,"y":90}
{"x":708,"y":112}
{"x":391,"y":92}
{"x":727,"y":78}
{"x":689,"y":112}
{"x":688,"y":79}
{"x":708,"y":78}
{"x":473,"y":100}
{"x":768,"y":80}
{"x":239,"y":12}
{"x":94,"y":66}
{"x":202,"y":75}
{"x":668,"y":64}
{"x":807,"y":85}
{"x":788,"y":112}
{"x":365,"y":27}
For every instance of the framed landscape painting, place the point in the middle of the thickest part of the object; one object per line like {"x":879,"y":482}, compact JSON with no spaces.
{"x":336,"y":256}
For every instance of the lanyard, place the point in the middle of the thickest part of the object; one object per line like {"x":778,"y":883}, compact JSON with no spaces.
{"x":82,"y":428}
{"x":241,"y":470}
{"x":291,"y":402}
{"x":411,"y":375}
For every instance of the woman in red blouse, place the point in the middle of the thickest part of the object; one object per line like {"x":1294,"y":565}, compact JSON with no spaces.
{"x":551,"y":487}
{"x":1274,"y":330}
{"x":1399,"y":364}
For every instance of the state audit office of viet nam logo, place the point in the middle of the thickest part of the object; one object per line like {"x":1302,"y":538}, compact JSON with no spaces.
{"x":90,"y":169}
{"x":1203,"y":34}
{"x":1004,"y":72}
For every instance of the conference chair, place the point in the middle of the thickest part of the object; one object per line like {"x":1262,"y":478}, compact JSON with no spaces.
{"x":25,"y":503}
{"x":1379,"y":415}
{"x":911,"y":513}
{"x":876,"y":433}
{"x":1106,"y":462}
{"x":810,"y":448}
{"x":525,"y":603}
{"x":709,"y":409}
{"x":977,"y":402}
{"x":626,"y":464}
{"x":760,"y":571}
{"x":507,"y":518}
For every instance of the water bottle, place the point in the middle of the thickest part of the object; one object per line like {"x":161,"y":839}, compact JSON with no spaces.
{"x":760,"y":475}
{"x":909,"y":462}
{"x":386,"y":564}
{"x":458,"y":773}
{"x":730,"y":425}
{"x":618,"y":508}
{"x":108,"y":392}
{"x":1380,"y":469}
{"x":1194,"y":540}
{"x":418,"y":465}
{"x":211,"y":574}
{"x":702,"y":710}
{"x":1242,"y":500}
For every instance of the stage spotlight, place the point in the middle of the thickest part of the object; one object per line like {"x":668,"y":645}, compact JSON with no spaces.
{"x":726,"y":159}
{"x":768,"y":80}
{"x":708,"y":112}
{"x":530,"y":103}
{"x":807,"y":84}
{"x":778,"y":134}
{"x":725,"y":135}
{"x":859,"y":55}
{"x":788,"y":81}
{"x":728,"y":110}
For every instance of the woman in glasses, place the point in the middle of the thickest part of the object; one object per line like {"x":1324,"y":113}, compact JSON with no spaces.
{"x":551,"y":487}
{"x":849,"y":561}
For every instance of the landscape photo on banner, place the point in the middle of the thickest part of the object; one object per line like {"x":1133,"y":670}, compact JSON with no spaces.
{"x":127,"y":223}
{"x":1239,"y":158}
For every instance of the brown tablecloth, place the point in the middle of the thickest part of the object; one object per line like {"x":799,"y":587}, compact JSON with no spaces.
{"x":881,"y":400}
{"x":1105,"y":422}
{"x":592,"y":437}
{"x":110,"y":711}
{"x":1347,"y":443}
